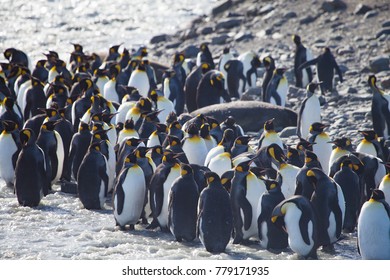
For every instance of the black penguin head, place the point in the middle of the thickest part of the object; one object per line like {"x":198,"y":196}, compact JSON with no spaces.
{"x":27,"y":136}
{"x":317,"y":127}
{"x":369,"y":135}
{"x":377,"y":195}
{"x":310,"y":156}
{"x":186,"y":169}
{"x":311,"y":87}
{"x":217,"y":80}
{"x":296,"y":39}
{"x":276,"y":153}
{"x":304,"y":145}
{"x":9,"y":126}
{"x":269,"y":125}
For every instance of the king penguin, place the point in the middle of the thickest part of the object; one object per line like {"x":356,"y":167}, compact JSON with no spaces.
{"x":271,"y":237}
{"x":182,"y":205}
{"x":322,"y":145}
{"x":92,"y":178}
{"x":30,"y":173}
{"x":245,"y":193}
{"x":300,"y":222}
{"x":374,"y":227}
{"x":309,"y":112}
{"x":10,"y":146}
{"x":215,"y":220}
{"x":129,"y":193}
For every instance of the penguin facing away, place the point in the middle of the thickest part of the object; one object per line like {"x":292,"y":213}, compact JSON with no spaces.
{"x":300,"y":221}
{"x":215,"y":220}
{"x":182,"y":205}
{"x":373,"y":228}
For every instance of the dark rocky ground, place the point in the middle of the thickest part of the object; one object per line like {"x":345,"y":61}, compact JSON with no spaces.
{"x":357,"y":33}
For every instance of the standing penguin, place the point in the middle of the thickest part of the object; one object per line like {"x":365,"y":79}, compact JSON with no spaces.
{"x":30,"y":174}
{"x":10,"y":146}
{"x":300,"y":222}
{"x":271,"y":237}
{"x":301,"y":55}
{"x":246,"y":190}
{"x":204,"y":55}
{"x":160,"y":186}
{"x":379,"y":109}
{"x":51,"y":143}
{"x":215,"y":220}
{"x":276,"y":92}
{"x":92,"y":178}
{"x":325,"y":64}
{"x":374,"y":227}
{"x":309,"y":112}
{"x":349,"y":183}
{"x":329,"y":202}
{"x":182,"y":205}
{"x":129,"y":194}
{"x":322,"y":145}
{"x":269,"y":64}
{"x":211,"y":89}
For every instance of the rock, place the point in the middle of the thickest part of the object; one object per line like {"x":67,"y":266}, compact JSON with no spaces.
{"x":228,"y":23}
{"x":191,"y":51}
{"x":289,"y":15}
{"x":371,"y":14}
{"x":220,"y":40}
{"x":207,"y":30}
{"x":383,"y":31}
{"x":266,"y":9}
{"x":224,"y":6}
{"x":333,"y":5}
{"x":158,"y":39}
{"x":361,"y":9}
{"x":379,"y":63}
{"x":251,"y":115}
{"x":288,"y":132}
{"x":241,"y":36}
{"x":306,"y":20}
{"x":386,"y":24}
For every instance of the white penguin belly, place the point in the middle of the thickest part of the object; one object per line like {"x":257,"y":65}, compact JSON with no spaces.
{"x":195,"y":150}
{"x":373,"y":232}
{"x":295,"y":239}
{"x":109,"y":91}
{"x":254,"y":190}
{"x":289,"y":175}
{"x":163,"y":217}
{"x":7,"y":148}
{"x":310,"y":115}
{"x":140,"y":80}
{"x":323,"y":150}
{"x":221,"y":163}
{"x":134,"y":189}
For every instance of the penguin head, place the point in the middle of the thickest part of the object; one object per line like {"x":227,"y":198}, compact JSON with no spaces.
{"x":9,"y":126}
{"x":269,"y":125}
{"x":217,"y":80}
{"x":212,"y":178}
{"x":226,"y":179}
{"x":377,"y":195}
{"x":296,"y":39}
{"x":311,"y":87}
{"x":317,"y":127}
{"x":186,"y":170}
{"x":269,"y":62}
{"x":27,"y":136}
{"x":243,"y":167}
{"x":303,"y":145}
{"x":369,"y":135}
{"x":276,"y":153}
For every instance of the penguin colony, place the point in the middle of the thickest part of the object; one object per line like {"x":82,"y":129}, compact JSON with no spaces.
{"x":110,"y":127}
